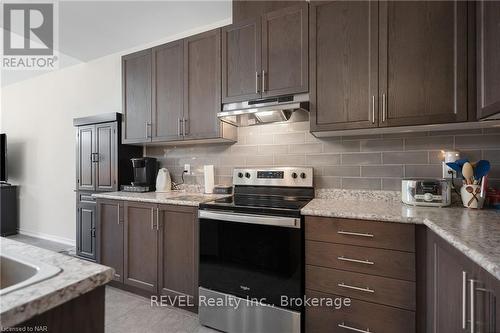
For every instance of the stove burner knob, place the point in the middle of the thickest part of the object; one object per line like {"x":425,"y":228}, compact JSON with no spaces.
{"x":303,"y":175}
{"x":294,"y":175}
{"x":240,"y":174}
{"x":247,"y":175}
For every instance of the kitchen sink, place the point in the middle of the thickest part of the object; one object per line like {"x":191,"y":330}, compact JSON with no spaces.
{"x":18,"y":272}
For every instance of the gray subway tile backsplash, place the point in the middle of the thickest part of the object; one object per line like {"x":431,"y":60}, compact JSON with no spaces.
{"x":357,"y":162}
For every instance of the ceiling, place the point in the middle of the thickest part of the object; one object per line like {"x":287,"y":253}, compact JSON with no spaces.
{"x":92,"y":29}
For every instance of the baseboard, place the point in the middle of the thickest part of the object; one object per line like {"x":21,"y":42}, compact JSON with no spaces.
{"x":63,"y":240}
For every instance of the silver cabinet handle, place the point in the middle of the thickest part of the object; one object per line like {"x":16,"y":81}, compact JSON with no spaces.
{"x":152,"y":219}
{"x":366,"y":290}
{"x":472,"y":306}
{"x":263,"y":81}
{"x":350,"y":233}
{"x":366,"y":262}
{"x":149,"y":130}
{"x":184,"y":121}
{"x":157,"y":218}
{"x":179,"y":126}
{"x":384,"y":112}
{"x":373,"y":109}
{"x":464,"y":300}
{"x":257,"y":82}
{"x":350,"y":328}
{"x":118,"y":214}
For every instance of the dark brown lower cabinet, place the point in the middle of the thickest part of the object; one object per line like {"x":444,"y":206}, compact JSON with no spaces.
{"x":178,"y":255}
{"x":110,"y":221}
{"x":141,"y":246}
{"x":153,"y":249}
{"x":459,"y":292}
{"x":86,"y":226}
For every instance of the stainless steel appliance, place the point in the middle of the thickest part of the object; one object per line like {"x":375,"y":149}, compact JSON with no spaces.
{"x":426,"y":192}
{"x":252,"y":248}
{"x":145,"y":170}
{"x":291,"y":108}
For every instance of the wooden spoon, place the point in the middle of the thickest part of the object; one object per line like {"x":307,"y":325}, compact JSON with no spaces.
{"x":468,"y":173}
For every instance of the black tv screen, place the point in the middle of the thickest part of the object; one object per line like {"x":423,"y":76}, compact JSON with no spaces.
{"x":3,"y":157}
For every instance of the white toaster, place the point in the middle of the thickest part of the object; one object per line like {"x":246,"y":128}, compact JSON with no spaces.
{"x":426,"y":192}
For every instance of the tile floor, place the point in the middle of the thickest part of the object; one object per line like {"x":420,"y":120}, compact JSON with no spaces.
{"x":130,"y":313}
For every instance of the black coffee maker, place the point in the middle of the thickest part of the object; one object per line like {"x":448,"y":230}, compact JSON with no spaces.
{"x":145,"y":170}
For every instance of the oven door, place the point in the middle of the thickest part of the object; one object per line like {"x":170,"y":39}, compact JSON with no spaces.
{"x":251,"y":256}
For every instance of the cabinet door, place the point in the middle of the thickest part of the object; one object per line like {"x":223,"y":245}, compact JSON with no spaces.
{"x":344,"y":64}
{"x":178,"y":257}
{"x":136,"y":84}
{"x":110,"y":235}
{"x":85,"y":158}
{"x":241,"y":61}
{"x":86,"y":230}
{"x":488,"y":61}
{"x":141,"y":246}
{"x":285,"y":51}
{"x":106,"y":150}
{"x":202,"y":85}
{"x":423,"y":62}
{"x":168,"y":85}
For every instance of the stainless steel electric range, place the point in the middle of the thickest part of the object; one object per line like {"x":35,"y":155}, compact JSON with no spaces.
{"x":252,"y":252}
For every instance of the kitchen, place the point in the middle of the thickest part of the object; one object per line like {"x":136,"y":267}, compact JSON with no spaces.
{"x":343,"y":155}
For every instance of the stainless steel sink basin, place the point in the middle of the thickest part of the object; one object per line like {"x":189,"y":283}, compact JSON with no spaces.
{"x":17,"y":272}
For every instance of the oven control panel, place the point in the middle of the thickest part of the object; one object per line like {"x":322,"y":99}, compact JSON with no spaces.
{"x":286,"y":176}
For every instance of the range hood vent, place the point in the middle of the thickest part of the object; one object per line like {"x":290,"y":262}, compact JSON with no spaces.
{"x":291,"y":108}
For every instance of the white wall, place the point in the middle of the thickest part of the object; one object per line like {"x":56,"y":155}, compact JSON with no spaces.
{"x":37,"y":116}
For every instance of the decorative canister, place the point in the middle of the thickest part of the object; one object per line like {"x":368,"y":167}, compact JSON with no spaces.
{"x":472,"y":196}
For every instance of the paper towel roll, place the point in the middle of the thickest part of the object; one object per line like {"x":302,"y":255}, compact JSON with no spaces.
{"x":209,"y":178}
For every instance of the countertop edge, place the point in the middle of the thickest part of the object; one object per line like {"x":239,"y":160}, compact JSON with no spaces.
{"x":21,"y":313}
{"x":146,"y":200}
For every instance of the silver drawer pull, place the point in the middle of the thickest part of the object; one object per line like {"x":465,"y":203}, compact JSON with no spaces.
{"x":344,"y":326}
{"x":366,"y":262}
{"x":366,"y":290}
{"x":350,"y":233}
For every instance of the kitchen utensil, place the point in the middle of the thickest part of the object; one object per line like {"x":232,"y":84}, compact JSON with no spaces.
{"x":481,"y":169}
{"x":472,"y":196}
{"x":468,"y":173}
{"x":163,"y":181}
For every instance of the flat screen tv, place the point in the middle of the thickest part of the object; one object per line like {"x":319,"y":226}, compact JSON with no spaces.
{"x":3,"y":157}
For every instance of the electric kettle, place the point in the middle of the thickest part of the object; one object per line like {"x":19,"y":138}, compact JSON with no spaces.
{"x":163,"y":181}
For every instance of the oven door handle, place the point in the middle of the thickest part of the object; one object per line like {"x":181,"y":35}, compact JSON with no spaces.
{"x":290,"y":222}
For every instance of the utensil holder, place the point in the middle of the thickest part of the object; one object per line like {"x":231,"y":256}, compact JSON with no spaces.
{"x":472,"y":196}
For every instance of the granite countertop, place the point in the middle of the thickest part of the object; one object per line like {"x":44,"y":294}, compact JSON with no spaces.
{"x":181,"y":198}
{"x":476,"y":233}
{"x":76,"y":278}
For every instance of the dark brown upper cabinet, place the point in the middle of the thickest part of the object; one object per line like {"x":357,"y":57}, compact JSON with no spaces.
{"x":488,"y":60}
{"x":136,"y":85}
{"x":241,"y":61}
{"x":344,"y":65}
{"x":173,"y":92}
{"x":168,"y":91}
{"x":423,"y":62}
{"x":267,"y":55}
{"x":388,"y":63}
{"x":249,"y":9}
{"x":202,"y":85}
{"x":285,"y":45}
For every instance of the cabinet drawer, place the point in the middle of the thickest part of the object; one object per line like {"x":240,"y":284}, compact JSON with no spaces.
{"x":86,"y":197}
{"x":370,"y":288}
{"x":360,"y":315}
{"x":388,"y":263}
{"x":385,"y":235}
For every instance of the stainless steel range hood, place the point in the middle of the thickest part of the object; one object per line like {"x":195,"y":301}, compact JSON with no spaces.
{"x":291,"y":108}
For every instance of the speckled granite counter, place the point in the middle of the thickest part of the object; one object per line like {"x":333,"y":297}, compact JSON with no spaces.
{"x":173,"y":198}
{"x":476,"y":233}
{"x":76,"y":278}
